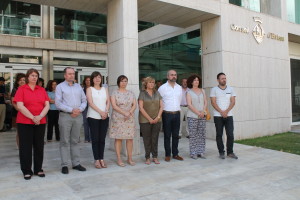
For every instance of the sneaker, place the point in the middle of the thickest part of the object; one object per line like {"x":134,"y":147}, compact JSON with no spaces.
{"x":222,"y":156}
{"x":79,"y":168}
{"x":232,"y":155}
{"x":194,"y":157}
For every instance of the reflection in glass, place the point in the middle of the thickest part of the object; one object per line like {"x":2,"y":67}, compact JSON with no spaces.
{"x":18,"y":18}
{"x":80,"y":26}
{"x":249,"y":4}
{"x":293,"y":11}
{"x":182,"y":53}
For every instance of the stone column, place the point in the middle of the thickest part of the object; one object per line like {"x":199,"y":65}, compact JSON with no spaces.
{"x":47,"y":32}
{"x":122,"y":26}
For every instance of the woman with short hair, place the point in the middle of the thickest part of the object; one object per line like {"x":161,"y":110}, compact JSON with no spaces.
{"x":33,"y":104}
{"x":151,"y":108}
{"x":122,"y":119}
{"x":97,"y":116}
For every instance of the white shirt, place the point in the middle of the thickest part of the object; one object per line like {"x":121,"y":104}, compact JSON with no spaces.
{"x":183,"y":99}
{"x":99,"y":99}
{"x":171,"y":96}
{"x":222,"y":98}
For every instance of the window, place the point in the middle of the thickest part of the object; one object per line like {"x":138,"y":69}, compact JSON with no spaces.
{"x":18,"y":18}
{"x":293,"y":11}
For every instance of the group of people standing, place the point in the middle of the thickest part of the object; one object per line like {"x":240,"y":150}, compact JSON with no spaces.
{"x":68,"y":102}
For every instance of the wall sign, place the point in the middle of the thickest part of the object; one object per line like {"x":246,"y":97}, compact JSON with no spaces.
{"x":258,"y":31}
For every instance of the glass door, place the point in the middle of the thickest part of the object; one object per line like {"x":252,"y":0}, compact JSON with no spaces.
{"x":295,"y":86}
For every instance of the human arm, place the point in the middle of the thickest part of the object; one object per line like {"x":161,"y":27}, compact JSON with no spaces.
{"x":199,"y":113}
{"x":117,"y":108}
{"x":44,"y":112}
{"x":144,"y":113}
{"x":161,"y":107}
{"x":231,"y":105}
{"x":59,"y":101}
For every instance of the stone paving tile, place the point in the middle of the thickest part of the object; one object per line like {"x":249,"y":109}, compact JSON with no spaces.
{"x":257,"y":174}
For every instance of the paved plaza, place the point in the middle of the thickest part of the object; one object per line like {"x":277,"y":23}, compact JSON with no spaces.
{"x":259,"y":173}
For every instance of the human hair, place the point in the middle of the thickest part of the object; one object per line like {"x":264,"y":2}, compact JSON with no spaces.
{"x":42,"y":80}
{"x":171,"y":70}
{"x":65,"y":70}
{"x":93,"y":75}
{"x":191,"y":79}
{"x":121,"y":78}
{"x":220,"y":74}
{"x":18,"y":78}
{"x":146,"y":81}
{"x":30,"y":71}
{"x":2,"y":79}
{"x":84,"y":80}
{"x":49,"y":85}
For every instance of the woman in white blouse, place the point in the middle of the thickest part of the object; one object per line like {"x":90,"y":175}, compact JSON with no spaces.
{"x":97,"y":116}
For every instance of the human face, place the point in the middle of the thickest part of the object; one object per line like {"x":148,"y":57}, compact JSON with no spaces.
{"x":172,"y":76}
{"x":97,"y":80}
{"x":150,"y":85}
{"x":32,"y":78}
{"x":195,"y":83}
{"x":184,"y":83}
{"x":1,"y":82}
{"x":88,"y":82}
{"x":54,"y":84}
{"x":21,"y":81}
{"x":123,"y":83}
{"x":222,"y":80}
{"x":70,"y":75}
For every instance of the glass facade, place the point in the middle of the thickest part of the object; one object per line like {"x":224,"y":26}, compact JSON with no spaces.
{"x":295,"y":85}
{"x":80,"y":26}
{"x":181,"y":53}
{"x":249,"y":4}
{"x":293,"y":11}
{"x":18,"y":18}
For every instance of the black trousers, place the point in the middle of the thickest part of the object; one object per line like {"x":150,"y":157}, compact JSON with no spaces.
{"x":53,"y":116}
{"x":220,"y":123}
{"x":171,"y":124}
{"x":98,"y":129}
{"x":31,"y":140}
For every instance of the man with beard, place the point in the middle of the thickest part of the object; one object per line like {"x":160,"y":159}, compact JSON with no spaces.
{"x":171,"y":94}
{"x":223,"y":100}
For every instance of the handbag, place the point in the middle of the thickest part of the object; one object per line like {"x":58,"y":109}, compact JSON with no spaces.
{"x":208,"y":116}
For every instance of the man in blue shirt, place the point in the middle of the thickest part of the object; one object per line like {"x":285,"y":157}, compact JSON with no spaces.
{"x":71,"y":101}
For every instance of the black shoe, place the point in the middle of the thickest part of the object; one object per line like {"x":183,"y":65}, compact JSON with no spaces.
{"x":222,"y":156}
{"x":188,"y":137}
{"x":232,"y":155}
{"x":64,"y":170}
{"x":79,"y":168}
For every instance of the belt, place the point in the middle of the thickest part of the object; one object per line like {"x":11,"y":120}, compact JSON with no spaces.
{"x":64,"y":112}
{"x":183,"y":105}
{"x":171,"y":112}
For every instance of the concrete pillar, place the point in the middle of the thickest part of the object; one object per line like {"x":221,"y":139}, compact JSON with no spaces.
{"x":212,"y":63}
{"x":47,"y":28}
{"x":122,"y":26}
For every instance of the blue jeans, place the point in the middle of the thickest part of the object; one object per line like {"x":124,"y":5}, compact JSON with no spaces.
{"x":220,"y":123}
{"x":171,"y":124}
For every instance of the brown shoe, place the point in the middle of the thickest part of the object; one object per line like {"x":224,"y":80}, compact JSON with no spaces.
{"x":178,"y":157}
{"x":168,"y":158}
